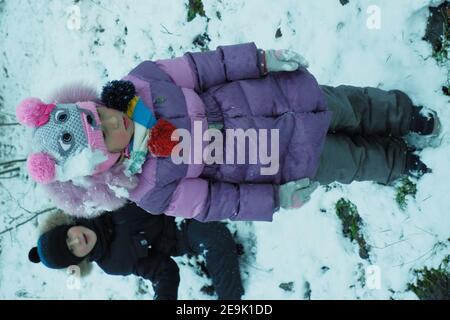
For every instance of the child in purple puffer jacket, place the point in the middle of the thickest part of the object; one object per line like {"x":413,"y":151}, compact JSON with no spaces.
{"x":93,"y":154}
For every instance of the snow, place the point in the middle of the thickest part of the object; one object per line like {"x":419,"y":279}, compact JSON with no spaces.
{"x":80,"y":165}
{"x":119,"y":191}
{"x":304,"y":246}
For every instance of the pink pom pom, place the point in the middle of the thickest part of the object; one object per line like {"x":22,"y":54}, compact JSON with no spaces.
{"x":41,"y":167}
{"x":32,"y":112}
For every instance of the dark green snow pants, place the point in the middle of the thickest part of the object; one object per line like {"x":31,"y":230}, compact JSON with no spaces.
{"x":364,"y":139}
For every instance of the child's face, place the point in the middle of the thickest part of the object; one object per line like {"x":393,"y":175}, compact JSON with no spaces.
{"x":117,"y":129}
{"x":80,"y":240}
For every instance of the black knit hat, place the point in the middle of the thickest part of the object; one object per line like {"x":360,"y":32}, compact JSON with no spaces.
{"x":52,"y":249}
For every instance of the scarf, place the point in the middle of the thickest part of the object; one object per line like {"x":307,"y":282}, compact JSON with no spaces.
{"x":149,"y":135}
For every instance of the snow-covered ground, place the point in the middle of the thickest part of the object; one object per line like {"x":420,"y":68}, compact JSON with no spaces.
{"x":40,"y":49}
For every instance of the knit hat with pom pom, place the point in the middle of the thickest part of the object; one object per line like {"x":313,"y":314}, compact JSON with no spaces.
{"x":67,"y":140}
{"x":52,"y":249}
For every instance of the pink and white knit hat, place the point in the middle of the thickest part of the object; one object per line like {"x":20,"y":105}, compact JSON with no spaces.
{"x":67,"y":140}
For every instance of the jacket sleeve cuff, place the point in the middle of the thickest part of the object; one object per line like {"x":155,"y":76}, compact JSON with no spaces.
{"x":276,"y":197}
{"x":262,"y":64}
{"x":241,"y":61}
{"x":256,"y":203}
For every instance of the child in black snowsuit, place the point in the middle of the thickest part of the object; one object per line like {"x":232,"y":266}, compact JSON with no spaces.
{"x":130,"y":241}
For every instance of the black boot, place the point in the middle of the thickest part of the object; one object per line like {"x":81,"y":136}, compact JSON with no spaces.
{"x":421,"y":124}
{"x":414,"y":166}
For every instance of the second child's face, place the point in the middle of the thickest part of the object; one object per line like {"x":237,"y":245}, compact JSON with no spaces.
{"x":80,"y":240}
{"x":117,"y":129}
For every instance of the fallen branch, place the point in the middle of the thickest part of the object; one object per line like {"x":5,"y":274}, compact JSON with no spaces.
{"x":9,"y":171}
{"x":10,"y":177}
{"x":7,"y":113}
{"x":28,"y":220}
{"x":7,"y":163}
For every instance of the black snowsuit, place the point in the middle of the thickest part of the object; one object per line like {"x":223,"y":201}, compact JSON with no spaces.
{"x":131,"y":241}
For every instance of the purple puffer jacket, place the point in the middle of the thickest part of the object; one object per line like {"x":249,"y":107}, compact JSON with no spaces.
{"x":227,"y":86}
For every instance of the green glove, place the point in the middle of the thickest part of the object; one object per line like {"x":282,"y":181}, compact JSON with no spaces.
{"x":294,"y":194}
{"x":284,"y":60}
